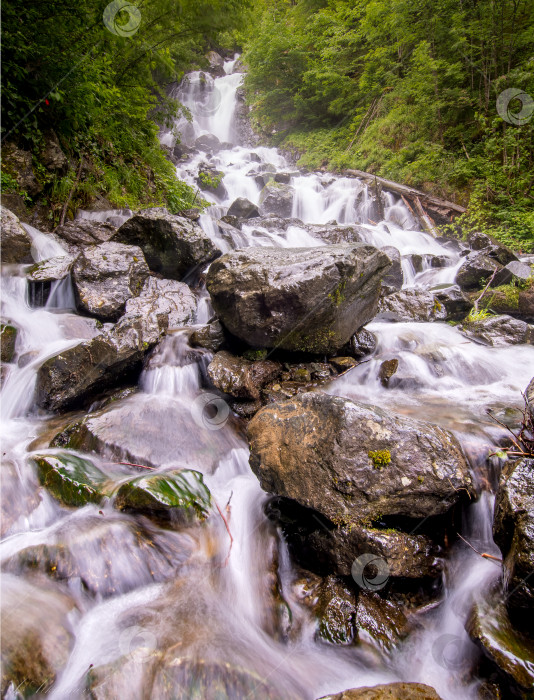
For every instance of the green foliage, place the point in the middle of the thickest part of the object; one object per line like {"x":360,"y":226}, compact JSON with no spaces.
{"x":210,"y":180}
{"x":380,"y":458}
{"x":406,"y":90}
{"x":475,"y":316}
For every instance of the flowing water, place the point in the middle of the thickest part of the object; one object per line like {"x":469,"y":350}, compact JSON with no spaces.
{"x":212,"y":595}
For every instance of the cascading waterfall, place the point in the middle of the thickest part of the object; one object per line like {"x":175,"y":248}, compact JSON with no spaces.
{"x":222,"y":598}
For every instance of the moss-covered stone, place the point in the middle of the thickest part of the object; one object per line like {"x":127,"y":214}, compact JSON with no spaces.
{"x":71,"y":479}
{"x":8,"y":334}
{"x":181,"y":494}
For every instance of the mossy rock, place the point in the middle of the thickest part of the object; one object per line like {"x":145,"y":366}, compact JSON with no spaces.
{"x":8,"y":335}
{"x":72,"y":480}
{"x":180,"y":494}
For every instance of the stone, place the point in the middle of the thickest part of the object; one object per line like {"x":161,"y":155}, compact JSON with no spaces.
{"x":52,"y":157}
{"x":355,"y":463}
{"x":361,"y":344}
{"x":380,"y":620}
{"x":311,"y":299}
{"x":335,"y":233}
{"x":208,"y":143}
{"x":8,"y":341}
{"x":70,"y":479}
{"x":105,"y":276}
{"x":51,"y":270}
{"x":84,"y":232}
{"x":342,"y":364}
{"x":277,"y":199}
{"x":499,"y":331}
{"x":394,"y":279}
{"x":411,"y":305}
{"x":481,"y":242}
{"x":455,"y":302}
{"x":387,"y":369}
{"x":15,"y":241}
{"x":335,"y":611}
{"x":210,"y":336}
{"x":529,"y":393}
{"x":180,"y":495}
{"x":230,"y":220}
{"x":239,"y":377}
{"x":167,"y":303}
{"x":211,"y":180}
{"x":476,"y":271}
{"x":216,"y":63}
{"x":243,"y":208}
{"x":514,"y":272}
{"x":509,"y":299}
{"x":19,"y":164}
{"x":172,"y":245}
{"x":513,"y":531}
{"x":390,"y":691}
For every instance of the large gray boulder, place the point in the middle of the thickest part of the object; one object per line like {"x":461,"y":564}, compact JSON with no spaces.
{"x":243,"y":208}
{"x":476,"y":270}
{"x":311,"y":299}
{"x":240,"y":377}
{"x":84,"y":232}
{"x":172,"y":245}
{"x":515,"y":271}
{"x":106,"y":276}
{"x":15,"y":242}
{"x":481,"y":242}
{"x":277,"y":199}
{"x":499,"y":331}
{"x":411,"y":305}
{"x":394,"y":279}
{"x":354,"y":463}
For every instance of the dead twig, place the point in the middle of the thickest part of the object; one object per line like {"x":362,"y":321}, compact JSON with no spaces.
{"x":227,"y":530}
{"x":475,"y":303}
{"x":130,"y":464}
{"x":481,"y":554}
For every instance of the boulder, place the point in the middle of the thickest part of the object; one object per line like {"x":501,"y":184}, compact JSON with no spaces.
{"x":84,"y":232}
{"x":15,"y":241}
{"x":51,"y":270}
{"x":210,"y":336}
{"x":105,"y":276}
{"x":394,"y":279}
{"x":72,"y":480}
{"x":8,"y":340}
{"x":19,"y":163}
{"x":511,"y":652}
{"x":514,"y":272}
{"x":481,"y":242}
{"x":311,"y":299}
{"x":355,"y":463}
{"x":52,"y":157}
{"x":455,"y":302}
{"x":243,"y":208}
{"x":380,"y":620}
{"x":411,"y":305}
{"x":172,"y":245}
{"x":335,"y":611}
{"x":361,"y":344}
{"x":335,"y":233}
{"x":277,"y":199}
{"x":476,"y":270}
{"x":509,"y":299}
{"x":167,"y":303}
{"x":239,"y":377}
{"x":142,"y":429}
{"x":530,"y":398}
{"x":499,"y":331}
{"x":216,"y":62}
{"x":208,"y":143}
{"x":180,"y":495}
{"x":211,"y":180}
{"x":390,"y":691}
{"x":513,"y":530}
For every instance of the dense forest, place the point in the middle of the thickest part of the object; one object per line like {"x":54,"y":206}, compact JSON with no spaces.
{"x":405,"y":90}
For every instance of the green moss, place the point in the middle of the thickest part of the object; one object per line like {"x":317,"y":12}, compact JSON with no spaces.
{"x":70,"y":479}
{"x":380,"y":458}
{"x":475,"y":316}
{"x":337,"y":295}
{"x":255,"y":355}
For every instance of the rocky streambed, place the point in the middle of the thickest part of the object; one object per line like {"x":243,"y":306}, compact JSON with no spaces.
{"x":246,"y":453}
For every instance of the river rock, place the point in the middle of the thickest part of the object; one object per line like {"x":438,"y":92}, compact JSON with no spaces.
{"x":210,"y":336}
{"x":335,"y":611}
{"x":335,"y":233}
{"x":391,"y":691}
{"x":51,"y":270}
{"x":165,"y":303}
{"x":381,"y":620}
{"x":52,"y":157}
{"x":19,"y":163}
{"x":239,"y":377}
{"x":514,"y":272}
{"x":509,"y":299}
{"x":216,"y":62}
{"x":499,"y":331}
{"x":529,"y":393}
{"x":36,"y":636}
{"x":15,"y":242}
{"x":511,"y":652}
{"x":455,"y":302}
{"x":394,"y":279}
{"x":513,"y":530}
{"x":84,"y":232}
{"x":180,"y":495}
{"x":105,"y":276}
{"x":352,"y":462}
{"x":8,"y":340}
{"x":387,"y":369}
{"x":72,"y":480}
{"x":172,"y":245}
{"x":211,"y":180}
{"x":361,"y":344}
{"x":481,"y":242}
{"x":208,"y":143}
{"x":243,"y":208}
{"x":411,"y":305}
{"x":142,"y":429}
{"x":277,"y":199}
{"x":311,"y":299}
{"x":476,"y":270}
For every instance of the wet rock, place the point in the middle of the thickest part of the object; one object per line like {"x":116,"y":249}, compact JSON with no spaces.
{"x":284,"y":178}
{"x":361,"y":344}
{"x":499,"y":331}
{"x":394,"y":279}
{"x":230,"y":220}
{"x":106,"y":276}
{"x":19,"y":495}
{"x":216,"y":62}
{"x":508,"y":650}
{"x":387,"y":370}
{"x":19,"y":163}
{"x":208,"y":143}
{"x":277,"y":199}
{"x":162,"y":303}
{"x":180,"y":495}
{"x":381,"y":620}
{"x":342,"y":364}
{"x":354,"y":463}
{"x":391,"y":691}
{"x":210,"y":336}
{"x":411,"y":305}
{"x":513,"y":530}
{"x":36,"y":636}
{"x":335,"y":233}
{"x":72,"y":480}
{"x":172,"y":245}
{"x":530,"y":398}
{"x":335,"y":612}
{"x":84,"y":232}
{"x":8,"y":340}
{"x":311,"y":299}
{"x":456,"y":304}
{"x":509,"y":299}
{"x":481,"y":242}
{"x":211,"y":180}
{"x":51,"y":270}
{"x":243,"y":208}
{"x":514,"y":272}
{"x":476,"y":270}
{"x":52,"y":156}
{"x":240,"y":377}
{"x":142,"y":429}
{"x":15,"y":242}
